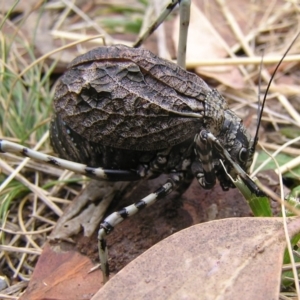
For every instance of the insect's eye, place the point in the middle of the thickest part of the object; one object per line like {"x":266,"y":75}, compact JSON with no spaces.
{"x":243,"y":155}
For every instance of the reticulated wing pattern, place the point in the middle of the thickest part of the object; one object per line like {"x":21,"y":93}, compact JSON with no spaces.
{"x":129,"y":98}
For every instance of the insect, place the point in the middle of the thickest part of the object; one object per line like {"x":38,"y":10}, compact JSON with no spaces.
{"x":123,"y":114}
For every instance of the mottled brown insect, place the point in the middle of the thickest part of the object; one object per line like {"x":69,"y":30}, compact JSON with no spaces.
{"x":126,"y":109}
{"x":137,"y":115}
{"x":123,"y":114}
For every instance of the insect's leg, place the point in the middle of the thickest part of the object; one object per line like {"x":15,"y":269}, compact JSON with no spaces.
{"x":225,"y":182}
{"x":96,"y":173}
{"x":204,"y":172}
{"x":184,"y":10}
{"x":212,"y":140}
{"x":117,"y":217}
{"x":156,"y":23}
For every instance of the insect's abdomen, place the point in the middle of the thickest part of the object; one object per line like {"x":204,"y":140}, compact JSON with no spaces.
{"x":130,"y":99}
{"x":71,"y":146}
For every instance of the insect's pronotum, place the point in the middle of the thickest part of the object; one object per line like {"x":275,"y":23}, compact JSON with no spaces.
{"x":124,"y":114}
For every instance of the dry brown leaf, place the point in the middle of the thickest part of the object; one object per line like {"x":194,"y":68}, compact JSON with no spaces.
{"x":226,"y":259}
{"x":63,"y":274}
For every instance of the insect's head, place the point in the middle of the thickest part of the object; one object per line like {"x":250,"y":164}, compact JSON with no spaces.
{"x":243,"y":149}
{"x":240,"y":156}
{"x":237,"y":141}
{"x":237,"y":147}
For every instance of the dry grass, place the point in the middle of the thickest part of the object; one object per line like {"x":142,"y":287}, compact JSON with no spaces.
{"x":31,"y":200}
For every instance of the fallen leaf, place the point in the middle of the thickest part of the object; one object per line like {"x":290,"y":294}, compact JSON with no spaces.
{"x":238,"y":258}
{"x":62,"y":274}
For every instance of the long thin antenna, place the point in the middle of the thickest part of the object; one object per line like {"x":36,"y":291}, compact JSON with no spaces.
{"x":259,"y":103}
{"x":268,"y":88}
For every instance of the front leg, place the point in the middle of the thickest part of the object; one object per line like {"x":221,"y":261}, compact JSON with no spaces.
{"x":204,"y":169}
{"x":115,"y":218}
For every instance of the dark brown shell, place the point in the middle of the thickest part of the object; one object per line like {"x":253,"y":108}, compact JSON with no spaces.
{"x":130,"y":99}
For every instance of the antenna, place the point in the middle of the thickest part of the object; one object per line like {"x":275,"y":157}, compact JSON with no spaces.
{"x":268,"y":88}
{"x":259,"y":103}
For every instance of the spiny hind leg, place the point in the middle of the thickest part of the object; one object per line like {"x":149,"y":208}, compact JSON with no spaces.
{"x":115,"y":218}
